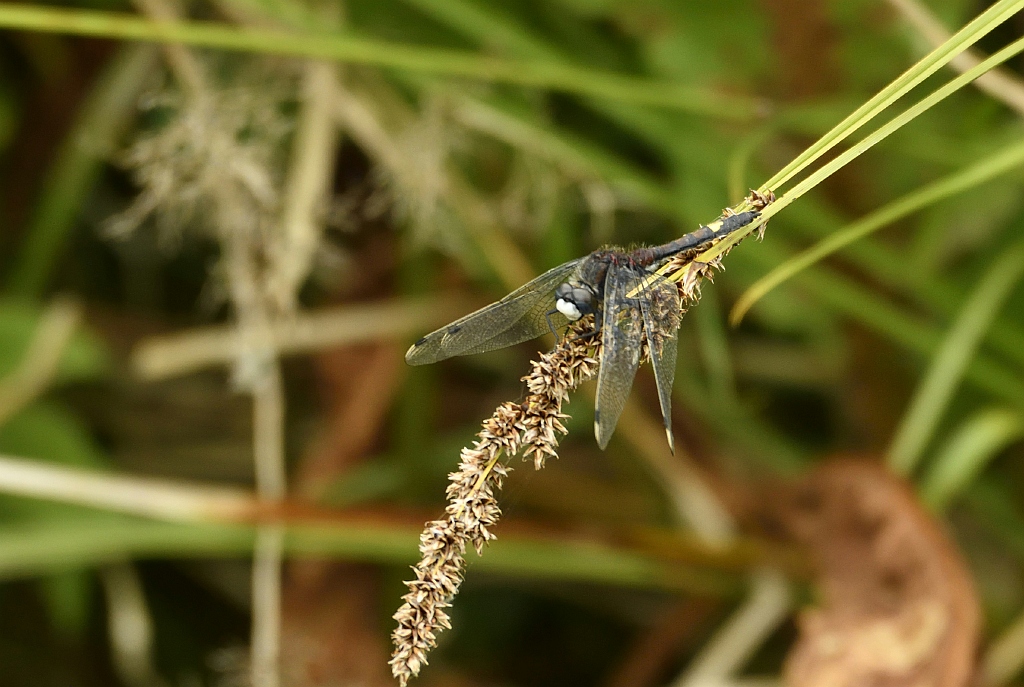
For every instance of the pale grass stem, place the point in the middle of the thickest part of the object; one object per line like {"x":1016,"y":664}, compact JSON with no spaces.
{"x":999,"y":83}
{"x":180,"y":353}
{"x":144,"y":496}
{"x":38,"y":367}
{"x":131,"y":629}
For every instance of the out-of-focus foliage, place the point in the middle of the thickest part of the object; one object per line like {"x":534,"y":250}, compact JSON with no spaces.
{"x":906,"y":343}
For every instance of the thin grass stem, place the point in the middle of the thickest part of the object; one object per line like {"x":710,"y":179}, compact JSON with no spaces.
{"x":103,"y":119}
{"x":176,"y":354}
{"x":307,"y":186}
{"x":356,"y":50}
{"x":767,"y":605}
{"x":866,"y":144}
{"x":268,"y":555}
{"x":963,"y":456}
{"x":42,"y":357}
{"x":998,"y":83}
{"x":925,"y":67}
{"x":880,"y":315}
{"x":130,"y":626}
{"x":142,"y":496}
{"x":947,"y":368}
{"x":1001,"y":162}
{"x":187,"y":68}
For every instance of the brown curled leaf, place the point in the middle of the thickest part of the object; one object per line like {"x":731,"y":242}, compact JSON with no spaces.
{"x":897,"y":605}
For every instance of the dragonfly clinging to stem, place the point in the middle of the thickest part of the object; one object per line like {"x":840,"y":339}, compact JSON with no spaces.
{"x":632,"y":304}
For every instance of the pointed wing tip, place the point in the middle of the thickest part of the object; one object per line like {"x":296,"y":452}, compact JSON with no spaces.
{"x":671,"y":440}
{"x":410,"y":355}
{"x":602,"y":441}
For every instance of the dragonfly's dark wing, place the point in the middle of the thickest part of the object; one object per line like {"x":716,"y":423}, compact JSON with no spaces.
{"x":659,"y":303}
{"x":621,"y":340}
{"x":517,"y":317}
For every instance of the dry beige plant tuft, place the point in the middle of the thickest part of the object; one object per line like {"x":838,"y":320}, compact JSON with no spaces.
{"x":533,"y":427}
{"x":216,"y":158}
{"x":216,"y":164}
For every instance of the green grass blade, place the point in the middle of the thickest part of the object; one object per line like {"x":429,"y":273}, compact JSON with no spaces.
{"x":869,"y":141}
{"x":904,"y":118}
{"x":104,"y":118}
{"x":572,"y":153}
{"x":567,"y":151}
{"x":487,"y":26}
{"x":356,"y":50}
{"x":951,"y":360}
{"x":879,"y":315}
{"x":47,"y":546}
{"x":925,"y":67}
{"x":974,"y":175}
{"x":966,"y":453}
{"x":939,"y":293}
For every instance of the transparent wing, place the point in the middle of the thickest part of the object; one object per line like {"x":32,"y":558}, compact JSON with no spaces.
{"x":659,"y":303}
{"x":621,"y":341}
{"x":517,"y":317}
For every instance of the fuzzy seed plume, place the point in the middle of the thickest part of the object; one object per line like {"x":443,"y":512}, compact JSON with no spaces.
{"x":532,"y":427}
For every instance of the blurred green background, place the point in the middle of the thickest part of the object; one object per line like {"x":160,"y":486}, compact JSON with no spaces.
{"x":462,"y":147}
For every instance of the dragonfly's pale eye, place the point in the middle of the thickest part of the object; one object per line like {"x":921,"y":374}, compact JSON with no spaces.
{"x":568,"y":309}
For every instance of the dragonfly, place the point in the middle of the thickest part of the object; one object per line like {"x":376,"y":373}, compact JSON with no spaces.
{"x":631,"y":303}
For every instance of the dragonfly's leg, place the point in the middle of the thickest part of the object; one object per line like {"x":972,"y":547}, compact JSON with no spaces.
{"x":551,"y":326}
{"x":592,"y":333}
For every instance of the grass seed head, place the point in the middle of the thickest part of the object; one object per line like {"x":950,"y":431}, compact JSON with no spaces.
{"x":533,"y":427}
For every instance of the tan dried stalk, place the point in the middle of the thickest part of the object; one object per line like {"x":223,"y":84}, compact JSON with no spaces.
{"x":533,"y":427}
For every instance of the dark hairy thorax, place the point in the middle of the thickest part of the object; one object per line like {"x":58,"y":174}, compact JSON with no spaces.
{"x":594,"y":269}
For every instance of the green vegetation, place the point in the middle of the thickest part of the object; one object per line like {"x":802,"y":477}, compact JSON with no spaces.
{"x":225,"y":220}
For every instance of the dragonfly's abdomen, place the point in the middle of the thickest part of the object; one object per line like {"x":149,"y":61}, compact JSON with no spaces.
{"x":695,"y":239}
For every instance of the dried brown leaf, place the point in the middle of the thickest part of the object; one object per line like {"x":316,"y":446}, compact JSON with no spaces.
{"x":897,"y":606}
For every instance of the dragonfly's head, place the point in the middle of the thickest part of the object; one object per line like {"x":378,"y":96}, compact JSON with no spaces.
{"x":574,"y":301}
